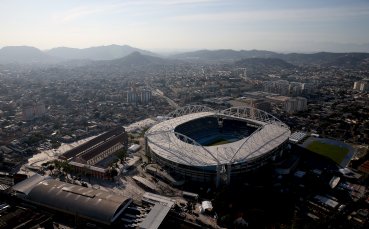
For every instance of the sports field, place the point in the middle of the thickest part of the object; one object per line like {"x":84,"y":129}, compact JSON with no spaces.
{"x":334,"y":152}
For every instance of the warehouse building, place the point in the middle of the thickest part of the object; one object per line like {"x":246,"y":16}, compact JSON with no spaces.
{"x":87,"y":158}
{"x":87,"y":203}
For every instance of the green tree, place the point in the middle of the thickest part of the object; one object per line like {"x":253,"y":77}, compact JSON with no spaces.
{"x":51,"y":168}
{"x":122,"y":154}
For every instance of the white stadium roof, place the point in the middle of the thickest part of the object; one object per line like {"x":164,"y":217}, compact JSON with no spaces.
{"x":163,"y":141}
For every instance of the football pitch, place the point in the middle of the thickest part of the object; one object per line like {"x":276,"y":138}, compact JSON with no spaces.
{"x":336,"y":153}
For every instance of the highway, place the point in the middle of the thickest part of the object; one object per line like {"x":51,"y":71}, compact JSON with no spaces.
{"x":161,"y":94}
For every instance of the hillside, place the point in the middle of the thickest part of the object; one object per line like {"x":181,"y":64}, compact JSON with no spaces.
{"x":325,"y":59}
{"x":263,"y":63}
{"x":136,"y":59}
{"x":23,"y":54}
{"x":223,"y":55}
{"x":109,"y":52}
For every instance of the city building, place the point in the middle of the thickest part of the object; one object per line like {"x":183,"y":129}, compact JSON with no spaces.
{"x":87,"y":203}
{"x":281,"y":87}
{"x":261,"y":104}
{"x":308,"y":88}
{"x":301,"y":103}
{"x":135,"y":96}
{"x":241,"y":72}
{"x":296,"y":88}
{"x":362,"y":85}
{"x":292,"y":105}
{"x":33,"y":111}
{"x":146,"y":96}
{"x":87,"y":157}
{"x":88,"y":206}
{"x":132,"y":96}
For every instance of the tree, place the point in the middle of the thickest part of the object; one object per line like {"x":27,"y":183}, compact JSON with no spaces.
{"x":113,"y":173}
{"x":122,"y":154}
{"x":51,"y":168}
{"x":55,"y":144}
{"x":63,"y":166}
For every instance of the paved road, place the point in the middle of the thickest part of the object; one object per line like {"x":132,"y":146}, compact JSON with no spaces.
{"x":161,"y":94}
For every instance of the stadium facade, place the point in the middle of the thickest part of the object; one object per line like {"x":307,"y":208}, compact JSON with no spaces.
{"x":204,"y":145}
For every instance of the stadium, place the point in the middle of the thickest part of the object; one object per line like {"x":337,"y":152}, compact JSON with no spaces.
{"x":204,"y":145}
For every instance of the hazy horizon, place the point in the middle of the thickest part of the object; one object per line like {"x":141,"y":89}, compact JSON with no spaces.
{"x":164,"y":51}
{"x":187,"y":25}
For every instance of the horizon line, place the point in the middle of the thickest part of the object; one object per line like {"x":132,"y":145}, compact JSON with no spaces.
{"x":183,"y":50}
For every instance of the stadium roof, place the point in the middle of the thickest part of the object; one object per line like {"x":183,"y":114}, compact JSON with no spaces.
{"x":95,"y":205}
{"x":163,"y":140}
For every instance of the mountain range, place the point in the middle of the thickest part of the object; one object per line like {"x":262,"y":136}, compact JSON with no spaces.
{"x":320,"y":58}
{"x":133,"y":57}
{"x":23,"y":54}
{"x":109,"y":52}
{"x":30,"y":55}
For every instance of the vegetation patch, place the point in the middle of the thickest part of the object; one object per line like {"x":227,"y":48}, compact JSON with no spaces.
{"x":336,"y":153}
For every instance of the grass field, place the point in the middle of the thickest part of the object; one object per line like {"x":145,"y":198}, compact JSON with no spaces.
{"x":334,"y":152}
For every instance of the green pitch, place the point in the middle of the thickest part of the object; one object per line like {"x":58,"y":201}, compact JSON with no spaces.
{"x":333,"y":152}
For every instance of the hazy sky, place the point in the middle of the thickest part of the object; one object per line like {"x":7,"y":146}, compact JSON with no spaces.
{"x":278,"y":25}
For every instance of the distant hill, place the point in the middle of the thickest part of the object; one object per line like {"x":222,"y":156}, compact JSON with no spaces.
{"x":131,"y":63}
{"x":124,"y":57}
{"x":223,"y":55}
{"x":326,"y":59}
{"x":309,"y":59}
{"x":136,"y":59}
{"x":109,"y":52}
{"x":264,"y":63}
{"x":351,"y":60}
{"x":24,"y":54}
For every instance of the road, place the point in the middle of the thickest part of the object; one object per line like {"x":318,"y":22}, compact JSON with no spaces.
{"x":161,"y":94}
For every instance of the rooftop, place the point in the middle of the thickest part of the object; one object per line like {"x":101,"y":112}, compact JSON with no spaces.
{"x":163,"y":141}
{"x":89,"y":203}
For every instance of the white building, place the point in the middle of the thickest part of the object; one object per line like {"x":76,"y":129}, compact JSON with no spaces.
{"x":283,"y":87}
{"x":146,"y":96}
{"x":132,"y":97}
{"x":143,"y":97}
{"x":362,"y":85}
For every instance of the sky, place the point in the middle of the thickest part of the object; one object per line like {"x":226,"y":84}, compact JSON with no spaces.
{"x":167,"y":25}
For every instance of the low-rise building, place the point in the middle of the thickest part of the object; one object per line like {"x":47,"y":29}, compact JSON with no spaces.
{"x":85,"y":157}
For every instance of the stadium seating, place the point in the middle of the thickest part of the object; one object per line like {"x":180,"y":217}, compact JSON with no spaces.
{"x":206,"y":131}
